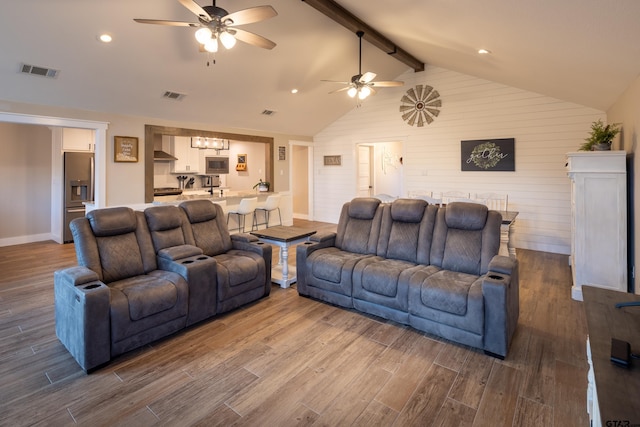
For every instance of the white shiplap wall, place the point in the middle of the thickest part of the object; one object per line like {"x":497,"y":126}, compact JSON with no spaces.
{"x":544,"y":128}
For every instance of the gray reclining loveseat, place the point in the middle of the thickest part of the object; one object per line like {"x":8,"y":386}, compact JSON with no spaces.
{"x":436,"y":269}
{"x":143,"y":276}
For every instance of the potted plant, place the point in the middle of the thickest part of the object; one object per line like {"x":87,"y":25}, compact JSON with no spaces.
{"x":601,"y":136}
{"x":262,"y":185}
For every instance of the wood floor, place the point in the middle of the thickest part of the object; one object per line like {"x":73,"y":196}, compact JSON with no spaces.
{"x":288,"y":360}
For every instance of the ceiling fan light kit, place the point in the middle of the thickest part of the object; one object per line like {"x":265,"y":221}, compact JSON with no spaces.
{"x":363,"y":85}
{"x":217,"y":25}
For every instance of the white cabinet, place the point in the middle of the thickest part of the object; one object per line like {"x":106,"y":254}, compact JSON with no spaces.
{"x":598,"y":220}
{"x":78,"y":139}
{"x":188,"y":158}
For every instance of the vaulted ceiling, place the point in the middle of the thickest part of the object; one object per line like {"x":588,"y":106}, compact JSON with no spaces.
{"x":583,"y":51}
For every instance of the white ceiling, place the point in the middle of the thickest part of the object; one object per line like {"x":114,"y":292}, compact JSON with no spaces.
{"x":584,"y":51}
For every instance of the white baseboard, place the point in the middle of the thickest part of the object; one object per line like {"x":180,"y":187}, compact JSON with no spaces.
{"x":20,"y":240}
{"x":300,"y":216}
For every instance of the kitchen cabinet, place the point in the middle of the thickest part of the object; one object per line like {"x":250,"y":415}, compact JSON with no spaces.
{"x":78,"y":139}
{"x":598,"y":220}
{"x":188,"y":158}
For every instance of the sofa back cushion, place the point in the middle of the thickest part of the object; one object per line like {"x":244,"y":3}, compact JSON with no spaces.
{"x":359,"y":226}
{"x":208,"y":225}
{"x":168,"y":226}
{"x":400,"y":232}
{"x":466,"y":237}
{"x":114,"y":243}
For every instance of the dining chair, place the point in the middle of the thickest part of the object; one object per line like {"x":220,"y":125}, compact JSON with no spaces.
{"x":247,"y":207}
{"x":272,"y":204}
{"x":494,"y":201}
{"x":456,"y":196}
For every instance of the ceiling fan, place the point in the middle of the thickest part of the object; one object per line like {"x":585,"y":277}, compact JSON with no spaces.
{"x":217,"y":25}
{"x":362,"y":85}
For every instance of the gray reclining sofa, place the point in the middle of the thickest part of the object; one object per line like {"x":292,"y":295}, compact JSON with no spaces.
{"x":145,"y":275}
{"x":436,"y":269}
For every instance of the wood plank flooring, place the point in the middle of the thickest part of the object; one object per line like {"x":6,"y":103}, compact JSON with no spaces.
{"x":288,"y":360}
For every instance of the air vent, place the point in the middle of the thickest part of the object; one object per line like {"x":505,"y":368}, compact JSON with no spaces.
{"x":268,"y":112}
{"x":173,"y":95}
{"x":39,"y":71}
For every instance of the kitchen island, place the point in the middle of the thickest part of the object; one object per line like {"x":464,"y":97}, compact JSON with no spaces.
{"x":230,"y":201}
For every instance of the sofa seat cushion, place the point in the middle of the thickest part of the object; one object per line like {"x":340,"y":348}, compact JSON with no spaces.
{"x":239,"y":272}
{"x":147,"y":295}
{"x":383,"y":281}
{"x":144,"y":302}
{"x":332,"y":268}
{"x":448,"y":297}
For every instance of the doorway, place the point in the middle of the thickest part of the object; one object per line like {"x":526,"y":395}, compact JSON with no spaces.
{"x":379,"y":169}
{"x":301,"y":179}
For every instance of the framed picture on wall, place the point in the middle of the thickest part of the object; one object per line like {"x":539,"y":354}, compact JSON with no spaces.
{"x":488,"y":155}
{"x":282,"y":154}
{"x":125,"y":149}
{"x":333,"y":160}
{"x":242,"y":162}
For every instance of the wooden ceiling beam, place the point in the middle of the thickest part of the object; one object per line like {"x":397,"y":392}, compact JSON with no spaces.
{"x":351,"y":22}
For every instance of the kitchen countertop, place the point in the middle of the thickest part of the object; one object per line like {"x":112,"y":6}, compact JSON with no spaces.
{"x":231,"y":197}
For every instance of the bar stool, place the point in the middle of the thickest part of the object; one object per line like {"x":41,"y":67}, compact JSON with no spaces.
{"x":246,"y":207}
{"x":272,"y":203}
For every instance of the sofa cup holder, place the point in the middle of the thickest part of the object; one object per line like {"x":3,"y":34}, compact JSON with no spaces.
{"x":495,"y":277}
{"x":92,"y":286}
{"x":202,"y":258}
{"x":189,"y":261}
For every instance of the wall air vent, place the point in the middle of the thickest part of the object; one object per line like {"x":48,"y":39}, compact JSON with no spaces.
{"x":268,"y":112}
{"x":39,"y":71}
{"x":173,"y":95}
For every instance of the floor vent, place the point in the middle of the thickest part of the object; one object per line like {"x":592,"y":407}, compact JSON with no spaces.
{"x":39,"y":71}
{"x":268,"y":112}
{"x":173,"y":95}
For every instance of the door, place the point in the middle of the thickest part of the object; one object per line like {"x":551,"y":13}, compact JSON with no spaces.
{"x":365,"y":186}
{"x":301,"y":179}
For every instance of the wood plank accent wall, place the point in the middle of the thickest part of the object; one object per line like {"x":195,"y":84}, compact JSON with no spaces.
{"x":544,"y":128}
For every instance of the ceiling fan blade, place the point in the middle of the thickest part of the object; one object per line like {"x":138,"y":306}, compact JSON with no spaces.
{"x":367,"y":77}
{"x":249,"y":16}
{"x":165,"y":22}
{"x":387,"y":84}
{"x":253,"y":39}
{"x":340,"y":90}
{"x":195,"y":8}
{"x":335,"y":81}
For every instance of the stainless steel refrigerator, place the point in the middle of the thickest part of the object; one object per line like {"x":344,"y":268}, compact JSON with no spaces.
{"x":78,"y":187}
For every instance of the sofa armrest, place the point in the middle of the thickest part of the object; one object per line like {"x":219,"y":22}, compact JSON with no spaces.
{"x":200,"y":272}
{"x":179,"y":252}
{"x":82,"y":316}
{"x":502,"y":264}
{"x":326,"y":237}
{"x":304,"y":250}
{"x":243,"y":237}
{"x":500,"y":290}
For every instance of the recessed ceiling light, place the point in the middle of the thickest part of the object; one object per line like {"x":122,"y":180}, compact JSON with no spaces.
{"x":105,"y":38}
{"x":484,"y":51}
{"x":294,"y":91}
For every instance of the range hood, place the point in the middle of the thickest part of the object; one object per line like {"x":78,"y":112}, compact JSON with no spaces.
{"x":163,"y":156}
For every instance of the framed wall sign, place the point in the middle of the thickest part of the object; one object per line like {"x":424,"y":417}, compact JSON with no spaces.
{"x":333,"y":160}
{"x":125,"y":149}
{"x":488,"y":155}
{"x":282,"y":153}
{"x":242,"y":162}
